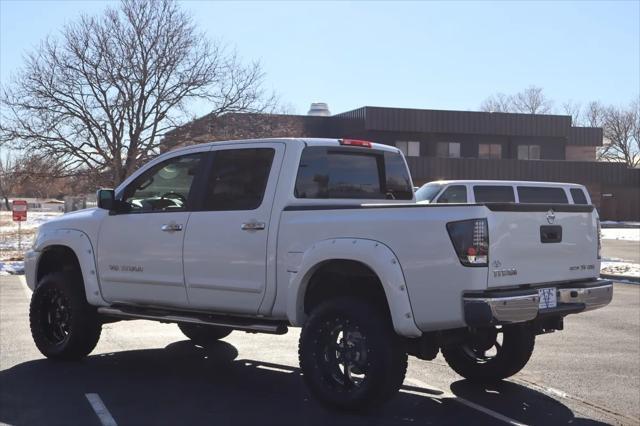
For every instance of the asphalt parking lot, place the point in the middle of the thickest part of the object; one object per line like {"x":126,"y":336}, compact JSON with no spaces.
{"x":148,"y":373}
{"x":624,"y":250}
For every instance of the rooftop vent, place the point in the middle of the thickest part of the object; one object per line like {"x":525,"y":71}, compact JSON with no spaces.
{"x":319,"y":109}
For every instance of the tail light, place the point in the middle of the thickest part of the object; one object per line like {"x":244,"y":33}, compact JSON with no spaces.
{"x":599,"y":230}
{"x":470,"y":240}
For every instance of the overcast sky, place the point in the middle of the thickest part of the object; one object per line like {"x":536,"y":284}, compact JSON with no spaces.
{"x":416,"y":55}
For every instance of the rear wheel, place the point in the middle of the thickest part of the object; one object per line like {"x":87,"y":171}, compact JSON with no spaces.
{"x":204,"y":335}
{"x":350,"y":356}
{"x":491,"y":353}
{"x":63,"y":325}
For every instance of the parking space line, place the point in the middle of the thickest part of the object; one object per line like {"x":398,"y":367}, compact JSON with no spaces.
{"x":463,"y":401}
{"x":487,"y":411}
{"x":100,"y":409}
{"x":279,"y":370}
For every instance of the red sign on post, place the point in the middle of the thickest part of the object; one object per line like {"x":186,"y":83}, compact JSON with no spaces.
{"x":19,"y":210}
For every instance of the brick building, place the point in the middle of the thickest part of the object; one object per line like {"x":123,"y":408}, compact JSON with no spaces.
{"x":453,"y":145}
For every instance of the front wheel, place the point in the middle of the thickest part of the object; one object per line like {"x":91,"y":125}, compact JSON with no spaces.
{"x":350,"y":356}
{"x":492,"y":353}
{"x":63,"y":325}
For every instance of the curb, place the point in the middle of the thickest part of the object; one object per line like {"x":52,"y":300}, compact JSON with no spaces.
{"x":621,"y":278}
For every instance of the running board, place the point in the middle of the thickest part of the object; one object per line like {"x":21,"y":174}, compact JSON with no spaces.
{"x":237,"y":323}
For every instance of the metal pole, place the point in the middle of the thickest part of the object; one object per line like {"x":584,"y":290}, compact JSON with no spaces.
{"x":19,"y":236}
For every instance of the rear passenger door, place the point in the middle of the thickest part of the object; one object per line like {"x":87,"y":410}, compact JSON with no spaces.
{"x":225,"y":246}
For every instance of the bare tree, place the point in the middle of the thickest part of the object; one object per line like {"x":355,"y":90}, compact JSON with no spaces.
{"x":529,"y":101}
{"x":574,"y":109}
{"x":8,"y":179}
{"x":30,"y":175}
{"x":532,"y":101}
{"x":622,"y":134}
{"x":593,"y":115}
{"x":497,"y":103}
{"x":99,"y":97}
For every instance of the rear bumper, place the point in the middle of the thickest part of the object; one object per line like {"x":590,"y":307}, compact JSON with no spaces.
{"x":513,"y":306}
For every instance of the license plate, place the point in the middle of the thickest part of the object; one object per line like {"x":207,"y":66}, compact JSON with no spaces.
{"x":547,"y":298}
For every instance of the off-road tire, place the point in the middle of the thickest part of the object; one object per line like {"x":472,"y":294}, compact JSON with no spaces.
{"x":81,"y":330}
{"x":204,"y":335}
{"x":517,"y":347}
{"x":386,"y":355}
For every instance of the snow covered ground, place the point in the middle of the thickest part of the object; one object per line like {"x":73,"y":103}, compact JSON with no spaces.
{"x":9,"y":253}
{"x":621,"y":268}
{"x":626,"y":234}
{"x":11,"y":258}
{"x":11,"y":267}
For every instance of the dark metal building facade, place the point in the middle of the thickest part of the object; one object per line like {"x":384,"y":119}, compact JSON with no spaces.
{"x":563,"y":153}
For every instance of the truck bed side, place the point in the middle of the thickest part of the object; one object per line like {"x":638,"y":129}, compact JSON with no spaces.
{"x":416,"y":234}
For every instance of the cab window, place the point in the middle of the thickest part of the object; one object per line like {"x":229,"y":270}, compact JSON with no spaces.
{"x":164,"y":187}
{"x":493,"y":194}
{"x":454,"y":194}
{"x":352,"y":173}
{"x":238,"y":179}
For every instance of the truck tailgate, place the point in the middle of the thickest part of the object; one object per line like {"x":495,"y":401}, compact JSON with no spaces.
{"x":534,"y":243}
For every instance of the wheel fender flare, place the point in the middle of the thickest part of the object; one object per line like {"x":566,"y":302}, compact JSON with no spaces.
{"x":80,"y":244}
{"x":375,"y":255}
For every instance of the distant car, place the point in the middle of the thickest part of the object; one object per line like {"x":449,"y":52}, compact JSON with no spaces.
{"x":501,"y":191}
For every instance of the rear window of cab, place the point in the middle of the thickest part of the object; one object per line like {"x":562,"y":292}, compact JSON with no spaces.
{"x":358,"y":173}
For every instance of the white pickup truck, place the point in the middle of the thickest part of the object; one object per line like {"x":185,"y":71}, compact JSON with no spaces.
{"x":322,"y":234}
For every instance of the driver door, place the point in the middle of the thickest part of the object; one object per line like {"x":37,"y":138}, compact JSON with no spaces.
{"x":140,"y":251}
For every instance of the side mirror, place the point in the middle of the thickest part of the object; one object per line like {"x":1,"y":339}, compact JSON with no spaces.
{"x":106,"y":199}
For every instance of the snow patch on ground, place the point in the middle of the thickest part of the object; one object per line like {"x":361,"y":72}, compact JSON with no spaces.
{"x":9,"y":234}
{"x":11,"y":267}
{"x":626,"y":269}
{"x":625,"y":234}
{"x":11,"y":259}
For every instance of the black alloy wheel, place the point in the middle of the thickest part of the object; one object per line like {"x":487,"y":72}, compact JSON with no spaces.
{"x":343,"y":355}
{"x":63,"y":325}
{"x":350,"y":356}
{"x":56,"y":316}
{"x":490,"y":354}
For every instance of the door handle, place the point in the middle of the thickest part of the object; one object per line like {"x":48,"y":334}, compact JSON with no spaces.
{"x":171,"y":227}
{"x":252,"y":226}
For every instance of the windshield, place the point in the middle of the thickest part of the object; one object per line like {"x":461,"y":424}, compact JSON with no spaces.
{"x":428,"y":192}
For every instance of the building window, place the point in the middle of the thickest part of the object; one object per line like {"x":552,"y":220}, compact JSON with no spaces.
{"x":490,"y":150}
{"x":448,"y":149}
{"x":528,"y":152}
{"x":409,"y":148}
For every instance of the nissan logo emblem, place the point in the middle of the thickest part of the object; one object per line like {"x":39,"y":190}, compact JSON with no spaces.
{"x":551,"y":217}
